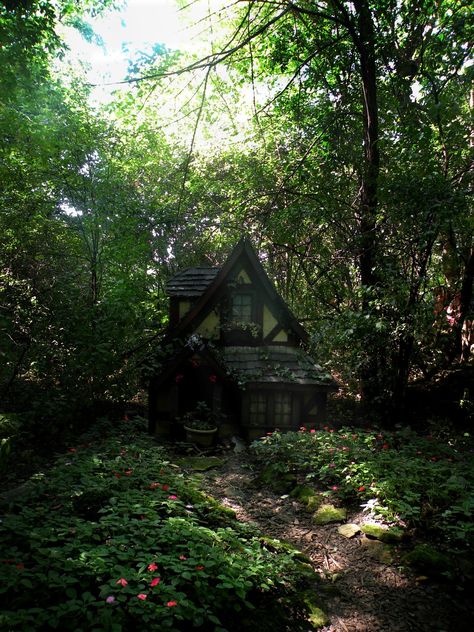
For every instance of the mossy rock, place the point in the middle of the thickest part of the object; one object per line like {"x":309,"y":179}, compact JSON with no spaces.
{"x":307,"y":496}
{"x":378,"y":550}
{"x":215,"y":513}
{"x":200,"y":463}
{"x":316,"y":615}
{"x":349,"y":530}
{"x":282,"y":546}
{"x":280,"y":482}
{"x":429,"y":561}
{"x":327,"y":513}
{"x":392,"y":535}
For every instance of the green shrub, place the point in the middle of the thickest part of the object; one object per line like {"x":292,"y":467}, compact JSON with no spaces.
{"x":418,"y":481}
{"x":115,"y":538}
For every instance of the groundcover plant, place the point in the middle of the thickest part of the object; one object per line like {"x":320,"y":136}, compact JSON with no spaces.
{"x":115,"y":537}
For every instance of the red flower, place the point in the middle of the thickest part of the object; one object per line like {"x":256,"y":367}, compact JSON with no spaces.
{"x":361,"y":489}
{"x":213,"y":378}
{"x":179,"y":378}
{"x":154,"y":485}
{"x":72,"y":450}
{"x":199,"y":567}
{"x":195,"y":363}
{"x":165,"y":487}
{"x":20,"y":566}
{"x":125,"y":418}
{"x":170,"y":604}
{"x":152,"y":567}
{"x":154,"y":582}
{"x":303,"y":429}
{"x":385,"y":446}
{"x":122,"y":581}
{"x":128,"y":472}
{"x":117,"y":475}
{"x":142,"y":596}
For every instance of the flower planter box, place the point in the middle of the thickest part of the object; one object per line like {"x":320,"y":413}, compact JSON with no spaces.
{"x":203,"y":438}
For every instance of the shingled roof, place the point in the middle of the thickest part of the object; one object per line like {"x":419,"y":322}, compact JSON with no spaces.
{"x":274,"y":364}
{"x":191,"y":282}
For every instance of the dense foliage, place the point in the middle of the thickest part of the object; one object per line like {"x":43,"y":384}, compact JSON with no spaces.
{"x":114,"y":537}
{"x":336,"y":133}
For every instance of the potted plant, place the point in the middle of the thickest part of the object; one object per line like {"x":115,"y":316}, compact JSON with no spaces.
{"x":200,"y":425}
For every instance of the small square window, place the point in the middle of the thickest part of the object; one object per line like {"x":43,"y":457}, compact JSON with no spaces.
{"x":242,"y":308}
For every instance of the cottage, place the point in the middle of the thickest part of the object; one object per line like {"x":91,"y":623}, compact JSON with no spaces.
{"x":234,"y":344}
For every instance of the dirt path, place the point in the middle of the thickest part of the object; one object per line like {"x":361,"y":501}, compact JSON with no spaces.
{"x":364,"y":594}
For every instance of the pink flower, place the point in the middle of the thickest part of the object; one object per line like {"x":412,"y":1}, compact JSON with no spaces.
{"x":125,"y":418}
{"x":334,"y":488}
{"x":142,"y":596}
{"x":183,"y":557}
{"x":170,"y":604}
{"x":179,"y":378}
{"x":172,"y":497}
{"x":213,"y":379}
{"x":199,"y":567}
{"x":154,"y":485}
{"x":165,"y":487}
{"x":128,"y":472}
{"x":154,"y":582}
{"x":152,"y":567}
{"x":332,"y":465}
{"x":312,"y":431}
{"x":122,"y":581}
{"x":110,"y":599}
{"x":195,"y":363}
{"x":303,"y":429}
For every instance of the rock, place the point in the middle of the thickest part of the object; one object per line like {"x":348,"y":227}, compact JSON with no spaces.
{"x":378,"y":550}
{"x":328,"y":513}
{"x":280,"y":482}
{"x":200,"y":463}
{"x":307,"y":496}
{"x":428,"y":560}
{"x":239,"y":445}
{"x":349,"y":530}
{"x":316,"y":615}
{"x":391,"y":535}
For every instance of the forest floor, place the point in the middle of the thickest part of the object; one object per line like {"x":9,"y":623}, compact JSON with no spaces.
{"x":361,"y":590}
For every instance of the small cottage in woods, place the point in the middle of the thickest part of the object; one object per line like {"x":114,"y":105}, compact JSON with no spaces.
{"x":234,"y":344}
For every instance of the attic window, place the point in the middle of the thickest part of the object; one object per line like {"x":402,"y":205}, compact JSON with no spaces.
{"x":242,"y":308}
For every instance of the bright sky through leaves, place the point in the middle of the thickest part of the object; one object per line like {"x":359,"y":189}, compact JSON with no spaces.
{"x":140,"y":25}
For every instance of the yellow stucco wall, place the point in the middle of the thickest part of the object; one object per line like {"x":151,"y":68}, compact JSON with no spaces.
{"x":243,"y":277}
{"x":184,"y":307}
{"x":210,"y":326}
{"x":269,"y":322}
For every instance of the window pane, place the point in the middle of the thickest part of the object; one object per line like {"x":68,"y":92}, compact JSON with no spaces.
{"x":257,"y":409}
{"x":282,"y":409}
{"x":242,"y":307}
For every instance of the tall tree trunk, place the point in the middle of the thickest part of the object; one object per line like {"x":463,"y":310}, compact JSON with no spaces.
{"x":365,"y":42}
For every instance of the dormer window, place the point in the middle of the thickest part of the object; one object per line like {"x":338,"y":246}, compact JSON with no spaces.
{"x":242,"y":308}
